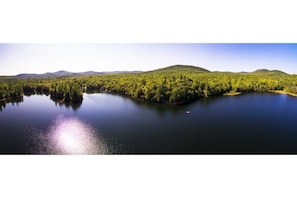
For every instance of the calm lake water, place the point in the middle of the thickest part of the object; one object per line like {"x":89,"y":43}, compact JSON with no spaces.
{"x":111,"y":124}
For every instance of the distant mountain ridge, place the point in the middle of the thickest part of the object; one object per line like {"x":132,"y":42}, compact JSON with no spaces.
{"x":63,"y":73}
{"x":169,"y":69}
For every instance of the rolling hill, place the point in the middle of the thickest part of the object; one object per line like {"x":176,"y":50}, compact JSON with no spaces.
{"x":180,"y":68}
{"x":268,"y":72}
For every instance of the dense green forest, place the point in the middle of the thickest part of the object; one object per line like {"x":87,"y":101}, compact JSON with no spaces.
{"x":175,"y":84}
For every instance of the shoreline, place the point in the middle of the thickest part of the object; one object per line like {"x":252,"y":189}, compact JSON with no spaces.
{"x":232,"y":93}
{"x":283,"y":92}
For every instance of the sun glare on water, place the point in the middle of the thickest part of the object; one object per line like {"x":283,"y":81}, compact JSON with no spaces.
{"x":70,"y":136}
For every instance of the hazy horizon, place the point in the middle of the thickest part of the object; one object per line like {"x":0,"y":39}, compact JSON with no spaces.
{"x":42,"y":58}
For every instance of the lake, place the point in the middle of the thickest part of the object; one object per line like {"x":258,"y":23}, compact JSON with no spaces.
{"x":256,"y":123}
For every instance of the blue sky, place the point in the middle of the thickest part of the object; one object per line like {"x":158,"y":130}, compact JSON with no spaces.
{"x":41,"y":58}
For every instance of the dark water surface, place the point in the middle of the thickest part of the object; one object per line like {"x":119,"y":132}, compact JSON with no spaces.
{"x":108,"y":124}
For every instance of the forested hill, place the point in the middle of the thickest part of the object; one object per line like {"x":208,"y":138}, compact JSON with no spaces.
{"x":190,"y":69}
{"x":179,"y":68}
{"x":268,"y":72}
{"x":176,"y":84}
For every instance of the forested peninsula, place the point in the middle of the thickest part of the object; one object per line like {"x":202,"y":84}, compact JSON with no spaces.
{"x":176,"y":84}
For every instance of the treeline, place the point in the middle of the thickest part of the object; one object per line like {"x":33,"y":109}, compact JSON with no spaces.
{"x":10,"y":91}
{"x":176,"y":85}
{"x":61,"y":90}
{"x":181,"y":87}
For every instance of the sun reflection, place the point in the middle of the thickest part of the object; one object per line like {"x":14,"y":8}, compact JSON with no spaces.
{"x":70,"y":136}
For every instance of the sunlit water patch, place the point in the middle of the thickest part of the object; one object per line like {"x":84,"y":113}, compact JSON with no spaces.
{"x":68,"y":136}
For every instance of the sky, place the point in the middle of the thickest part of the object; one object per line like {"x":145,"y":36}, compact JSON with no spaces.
{"x":40,"y":58}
